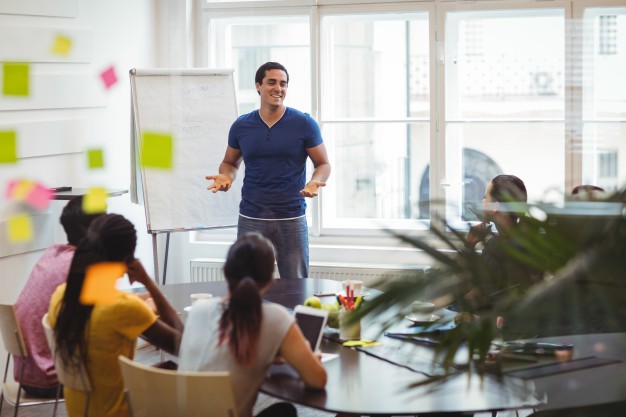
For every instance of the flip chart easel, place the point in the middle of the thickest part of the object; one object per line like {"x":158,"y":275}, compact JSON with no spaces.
{"x":196,"y":108}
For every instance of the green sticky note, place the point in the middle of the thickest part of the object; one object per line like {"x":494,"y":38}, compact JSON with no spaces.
{"x":20,"y":228}
{"x":156,"y":150}
{"x":95,"y":158}
{"x":16,"y":79}
{"x":8,"y":147}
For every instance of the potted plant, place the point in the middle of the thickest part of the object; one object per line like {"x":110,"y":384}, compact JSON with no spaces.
{"x":580,"y":249}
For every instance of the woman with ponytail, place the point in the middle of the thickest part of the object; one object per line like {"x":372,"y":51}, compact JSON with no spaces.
{"x":244,"y":335}
{"x":97,"y":334}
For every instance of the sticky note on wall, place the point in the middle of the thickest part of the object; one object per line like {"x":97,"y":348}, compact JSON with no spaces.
{"x":108,"y":77}
{"x":95,"y":201}
{"x":20,"y":228}
{"x":95,"y":158}
{"x":8,"y":147}
{"x":156,"y":150}
{"x":62,"y":45}
{"x":99,"y":284}
{"x":16,"y":79}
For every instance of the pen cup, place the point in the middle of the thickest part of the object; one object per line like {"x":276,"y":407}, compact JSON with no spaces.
{"x":348,"y":330}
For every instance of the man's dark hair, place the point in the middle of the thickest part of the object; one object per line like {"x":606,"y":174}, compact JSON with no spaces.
{"x":74,"y":220}
{"x":260,"y":73}
{"x":508,"y":188}
{"x":586,"y":189}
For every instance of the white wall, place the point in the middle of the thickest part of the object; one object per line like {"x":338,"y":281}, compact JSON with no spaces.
{"x":116,"y":32}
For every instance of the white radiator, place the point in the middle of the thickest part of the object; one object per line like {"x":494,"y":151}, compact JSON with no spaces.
{"x":204,"y":269}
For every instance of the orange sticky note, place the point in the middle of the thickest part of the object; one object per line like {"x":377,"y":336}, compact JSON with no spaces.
{"x":62,"y":45}
{"x":95,"y":201}
{"x":20,"y":228}
{"x":99,"y":284}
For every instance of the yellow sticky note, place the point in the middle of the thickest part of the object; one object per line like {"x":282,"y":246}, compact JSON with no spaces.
{"x":62,"y":45}
{"x":22,"y":189}
{"x":99,"y":284}
{"x":95,"y":201}
{"x":15,"y":79}
{"x":156,"y":150}
{"x":8,"y":147}
{"x":20,"y":227}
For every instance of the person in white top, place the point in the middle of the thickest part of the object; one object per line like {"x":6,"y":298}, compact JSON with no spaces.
{"x":243,"y":335}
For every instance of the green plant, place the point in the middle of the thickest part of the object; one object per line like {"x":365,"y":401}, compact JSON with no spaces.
{"x":580,"y":250}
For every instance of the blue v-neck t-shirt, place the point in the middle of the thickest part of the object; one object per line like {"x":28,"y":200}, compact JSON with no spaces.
{"x":275,"y":162}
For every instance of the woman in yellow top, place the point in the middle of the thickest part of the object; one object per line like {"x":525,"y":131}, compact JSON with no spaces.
{"x":97,"y":334}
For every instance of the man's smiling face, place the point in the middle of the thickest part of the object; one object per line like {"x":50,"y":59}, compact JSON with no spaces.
{"x":273,"y":88}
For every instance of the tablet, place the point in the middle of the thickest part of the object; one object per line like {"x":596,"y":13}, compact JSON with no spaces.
{"x":311,"y":322}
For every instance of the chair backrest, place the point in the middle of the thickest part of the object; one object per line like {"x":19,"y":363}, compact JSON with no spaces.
{"x":154,"y":392}
{"x":76,"y":378}
{"x":11,"y":333}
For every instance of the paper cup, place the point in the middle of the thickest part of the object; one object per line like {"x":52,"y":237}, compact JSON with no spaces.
{"x":200,"y":296}
{"x":422,"y":310}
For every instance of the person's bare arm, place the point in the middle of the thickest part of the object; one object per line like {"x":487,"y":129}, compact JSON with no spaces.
{"x":319,"y":157}
{"x":227,"y":171}
{"x":296,"y":350}
{"x":166,"y":332}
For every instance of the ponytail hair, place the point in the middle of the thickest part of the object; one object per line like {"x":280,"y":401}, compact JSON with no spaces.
{"x":249,"y":267}
{"x":110,"y":237}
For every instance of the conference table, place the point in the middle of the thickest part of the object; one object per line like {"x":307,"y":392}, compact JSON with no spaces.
{"x":362,"y":383}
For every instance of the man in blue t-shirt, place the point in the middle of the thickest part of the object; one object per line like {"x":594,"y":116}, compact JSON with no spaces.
{"x":274,"y":142}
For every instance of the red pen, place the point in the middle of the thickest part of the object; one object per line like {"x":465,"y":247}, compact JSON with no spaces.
{"x":351,"y":298}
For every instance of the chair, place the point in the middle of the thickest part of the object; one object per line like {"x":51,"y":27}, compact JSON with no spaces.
{"x":14,"y":344}
{"x":154,"y":392}
{"x":75,"y":378}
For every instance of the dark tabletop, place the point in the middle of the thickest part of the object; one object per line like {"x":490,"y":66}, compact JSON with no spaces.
{"x":74,"y":192}
{"x":360,"y":383}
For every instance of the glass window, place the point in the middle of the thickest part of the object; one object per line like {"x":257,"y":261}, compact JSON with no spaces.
{"x":603,"y":147}
{"x":547,"y":104}
{"x":375,"y":115}
{"x":246,"y":43}
{"x":504,"y":103}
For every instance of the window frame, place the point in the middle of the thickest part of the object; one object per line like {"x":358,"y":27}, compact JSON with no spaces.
{"x":573,"y":11}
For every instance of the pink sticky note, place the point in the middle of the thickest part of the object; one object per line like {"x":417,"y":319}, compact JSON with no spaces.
{"x":108,"y":77}
{"x":39,"y":196}
{"x":19,"y":189}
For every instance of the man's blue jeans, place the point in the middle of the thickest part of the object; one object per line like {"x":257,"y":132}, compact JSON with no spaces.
{"x":290,"y":239}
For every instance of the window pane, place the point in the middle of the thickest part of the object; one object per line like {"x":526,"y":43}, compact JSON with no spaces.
{"x":376,"y":66}
{"x":477,"y":152}
{"x":250,"y":42}
{"x":499,"y":68}
{"x":604,"y":153}
{"x":604,"y":64}
{"x":604,"y":98}
{"x":378,"y":169}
